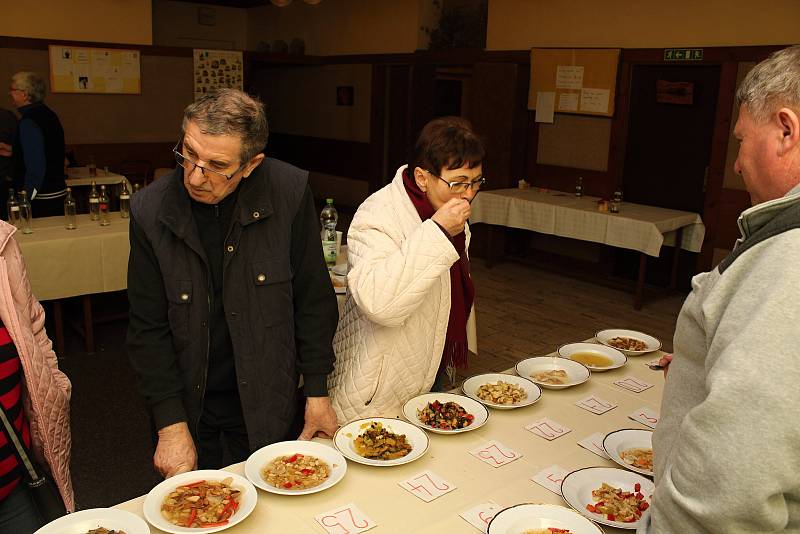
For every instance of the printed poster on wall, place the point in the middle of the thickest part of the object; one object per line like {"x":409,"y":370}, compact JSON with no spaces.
{"x":94,"y":70}
{"x":215,"y":69}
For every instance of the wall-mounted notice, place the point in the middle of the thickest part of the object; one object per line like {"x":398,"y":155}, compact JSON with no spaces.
{"x":583,"y":79}
{"x":215,"y":69}
{"x":94,"y":70}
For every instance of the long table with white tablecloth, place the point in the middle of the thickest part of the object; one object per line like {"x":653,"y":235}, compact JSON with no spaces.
{"x":375,"y":490}
{"x":636,"y":227}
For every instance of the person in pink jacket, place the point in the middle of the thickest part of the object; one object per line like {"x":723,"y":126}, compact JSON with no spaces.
{"x":33,"y":392}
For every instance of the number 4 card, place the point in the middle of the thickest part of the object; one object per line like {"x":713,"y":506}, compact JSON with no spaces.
{"x":347,"y":518}
{"x":427,"y":486}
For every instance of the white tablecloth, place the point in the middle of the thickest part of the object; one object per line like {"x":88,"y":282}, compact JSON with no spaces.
{"x":376,"y":492}
{"x":66,"y":263}
{"x":636,"y":227}
{"x":79,"y":176}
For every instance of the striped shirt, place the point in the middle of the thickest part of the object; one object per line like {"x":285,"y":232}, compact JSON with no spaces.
{"x":11,"y":399}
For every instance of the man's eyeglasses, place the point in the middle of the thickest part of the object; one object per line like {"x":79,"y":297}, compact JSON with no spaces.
{"x":461,"y":187}
{"x":190,"y":165}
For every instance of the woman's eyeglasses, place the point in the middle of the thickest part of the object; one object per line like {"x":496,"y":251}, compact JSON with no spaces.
{"x":461,"y":187}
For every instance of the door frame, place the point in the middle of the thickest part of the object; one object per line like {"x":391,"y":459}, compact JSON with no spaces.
{"x":728,"y":59}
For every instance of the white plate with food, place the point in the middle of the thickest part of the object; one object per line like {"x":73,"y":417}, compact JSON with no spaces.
{"x":295,"y":467}
{"x":380,"y":441}
{"x":632,"y":448}
{"x":502,"y":391}
{"x":624,"y":495}
{"x":220,"y":487}
{"x":629,"y":342}
{"x":540,"y":519}
{"x":596,"y":357}
{"x":552,"y":372}
{"x":96,"y":518}
{"x":445,"y":413}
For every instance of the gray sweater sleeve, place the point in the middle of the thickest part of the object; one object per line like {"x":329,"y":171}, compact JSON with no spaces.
{"x":732,"y":458}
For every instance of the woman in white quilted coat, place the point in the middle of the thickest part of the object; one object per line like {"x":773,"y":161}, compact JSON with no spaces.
{"x":410,"y":295}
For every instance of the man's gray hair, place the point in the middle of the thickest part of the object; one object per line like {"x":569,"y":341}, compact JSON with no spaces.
{"x":772,"y":84}
{"x":31,"y":83}
{"x":231,"y":112}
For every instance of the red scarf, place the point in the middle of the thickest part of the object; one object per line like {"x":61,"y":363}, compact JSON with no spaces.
{"x":462,"y":292}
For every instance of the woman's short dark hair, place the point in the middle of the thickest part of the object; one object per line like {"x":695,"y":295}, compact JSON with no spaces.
{"x":447,"y":143}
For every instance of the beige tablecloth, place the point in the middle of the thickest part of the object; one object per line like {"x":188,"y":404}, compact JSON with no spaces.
{"x":79,"y":176}
{"x":376,"y":492}
{"x":66,"y":263}
{"x":636,"y":227}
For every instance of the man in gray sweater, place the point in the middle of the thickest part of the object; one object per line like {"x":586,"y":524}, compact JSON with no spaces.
{"x":727,"y":448}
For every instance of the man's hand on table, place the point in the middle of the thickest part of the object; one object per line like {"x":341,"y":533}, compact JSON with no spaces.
{"x":320,"y":419}
{"x":664,"y":362}
{"x":175,"y":452}
{"x":5,"y":149}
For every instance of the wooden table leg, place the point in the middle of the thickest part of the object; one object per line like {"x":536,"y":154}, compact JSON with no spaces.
{"x":88,"y":327}
{"x":673,"y":279}
{"x":637,"y":299}
{"x":58,"y":319}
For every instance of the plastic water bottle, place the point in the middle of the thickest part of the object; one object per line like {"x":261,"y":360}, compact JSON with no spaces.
{"x":103,"y":207}
{"x":124,"y":201}
{"x":13,"y":209}
{"x":328,"y":219}
{"x":70,"y":211}
{"x":94,"y":203}
{"x":25,"y":212}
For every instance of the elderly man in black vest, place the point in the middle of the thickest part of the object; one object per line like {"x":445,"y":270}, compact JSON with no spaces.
{"x":38,"y":148}
{"x":230,"y":300}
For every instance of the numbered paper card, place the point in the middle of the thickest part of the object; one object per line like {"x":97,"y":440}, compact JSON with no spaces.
{"x":646,"y":416}
{"x":479,"y":516}
{"x":595,"y":405}
{"x":594,"y":443}
{"x":495,"y":454}
{"x":550,"y":478}
{"x":427,"y":486}
{"x":547,"y":429}
{"x":631,"y":383}
{"x":347,"y":518}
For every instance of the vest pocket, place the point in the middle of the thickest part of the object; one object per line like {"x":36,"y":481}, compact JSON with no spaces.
{"x":179,"y":296}
{"x":272,"y":284}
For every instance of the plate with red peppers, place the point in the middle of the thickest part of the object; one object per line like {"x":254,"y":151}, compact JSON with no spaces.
{"x":295,"y":467}
{"x":608,"y":495}
{"x":445,"y":413}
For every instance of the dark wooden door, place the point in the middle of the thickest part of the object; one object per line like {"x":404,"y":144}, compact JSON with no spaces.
{"x":670,"y":129}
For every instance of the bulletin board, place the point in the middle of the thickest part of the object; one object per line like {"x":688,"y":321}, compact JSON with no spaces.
{"x":574,"y":80}
{"x":95,"y":70}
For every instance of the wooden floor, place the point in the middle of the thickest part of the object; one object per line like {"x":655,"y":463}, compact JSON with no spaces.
{"x":524,"y":311}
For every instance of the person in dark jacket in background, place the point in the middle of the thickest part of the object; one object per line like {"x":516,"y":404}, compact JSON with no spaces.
{"x":8,"y":127}
{"x":38,"y":148}
{"x":230,"y":298}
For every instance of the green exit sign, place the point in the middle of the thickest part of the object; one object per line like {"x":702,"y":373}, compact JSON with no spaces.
{"x":683,"y":54}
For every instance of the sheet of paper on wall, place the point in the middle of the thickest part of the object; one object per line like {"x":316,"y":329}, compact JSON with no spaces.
{"x":569,"y":77}
{"x":595,"y":100}
{"x":568,"y":102}
{"x":545,"y":104}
